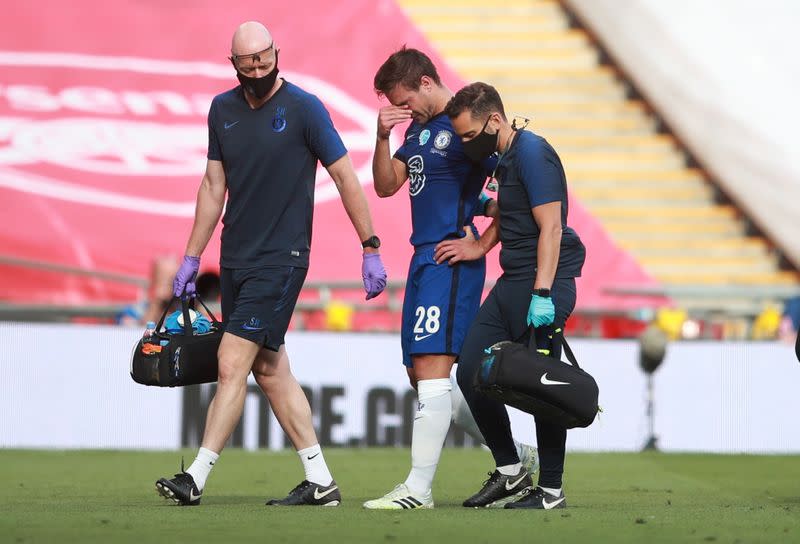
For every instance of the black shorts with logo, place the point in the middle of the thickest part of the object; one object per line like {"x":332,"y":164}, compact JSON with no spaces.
{"x":257,"y":303}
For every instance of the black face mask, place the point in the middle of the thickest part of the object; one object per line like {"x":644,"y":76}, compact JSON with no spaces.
{"x":259,"y":87}
{"x":481,"y":146}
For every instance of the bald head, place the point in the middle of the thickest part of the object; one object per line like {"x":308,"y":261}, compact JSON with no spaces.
{"x":250,"y":37}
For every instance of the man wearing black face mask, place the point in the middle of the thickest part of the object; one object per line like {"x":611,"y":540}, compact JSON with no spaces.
{"x":447,"y":270}
{"x":541,"y":257}
{"x":265,"y":139}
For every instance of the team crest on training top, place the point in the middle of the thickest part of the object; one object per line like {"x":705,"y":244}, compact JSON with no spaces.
{"x":424,"y":136}
{"x":442,"y":139}
{"x":279,"y":121}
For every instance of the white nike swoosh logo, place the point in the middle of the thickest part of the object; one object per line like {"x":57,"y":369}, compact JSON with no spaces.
{"x":512,"y":485}
{"x":417,"y":337}
{"x":193,"y":497}
{"x":230,"y":125}
{"x":545,"y":381}
{"x":549,"y":505}
{"x":318,"y":495}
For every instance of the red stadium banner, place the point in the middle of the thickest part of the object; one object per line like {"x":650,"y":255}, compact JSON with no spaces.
{"x":103,"y":137}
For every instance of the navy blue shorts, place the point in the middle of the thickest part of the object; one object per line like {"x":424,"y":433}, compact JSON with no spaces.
{"x":439,"y":305}
{"x":257,"y":303}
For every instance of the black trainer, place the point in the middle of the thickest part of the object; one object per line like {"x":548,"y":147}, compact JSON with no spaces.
{"x":500,"y":489}
{"x":310,"y":494}
{"x":541,"y":500}
{"x":180,"y":489}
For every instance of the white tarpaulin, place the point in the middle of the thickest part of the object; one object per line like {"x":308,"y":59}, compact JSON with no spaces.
{"x":726,"y":76}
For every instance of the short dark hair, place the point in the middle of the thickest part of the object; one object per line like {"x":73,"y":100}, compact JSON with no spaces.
{"x":406,"y":67}
{"x":208,"y":286}
{"x":480,"y":99}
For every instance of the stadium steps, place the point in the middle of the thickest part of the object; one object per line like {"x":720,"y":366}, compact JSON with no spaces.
{"x":632,"y":178}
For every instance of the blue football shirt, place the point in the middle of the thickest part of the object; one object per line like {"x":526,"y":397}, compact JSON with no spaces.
{"x":270,"y":159}
{"x":442,"y":183}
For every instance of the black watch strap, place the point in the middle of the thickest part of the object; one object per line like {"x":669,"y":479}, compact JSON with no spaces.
{"x":373,"y":242}
{"x":542,"y":292}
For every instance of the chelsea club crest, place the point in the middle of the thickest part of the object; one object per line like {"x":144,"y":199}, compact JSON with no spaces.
{"x":279,"y":120}
{"x":442,"y":139}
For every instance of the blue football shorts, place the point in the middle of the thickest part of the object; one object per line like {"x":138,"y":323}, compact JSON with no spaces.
{"x":257,"y":303}
{"x":440,"y":302}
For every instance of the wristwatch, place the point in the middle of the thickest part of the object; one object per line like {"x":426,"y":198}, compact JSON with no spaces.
{"x":373,"y":242}
{"x":542,"y":292}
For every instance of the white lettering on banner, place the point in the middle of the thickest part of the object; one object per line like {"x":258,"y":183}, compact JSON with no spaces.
{"x":139,"y":133}
{"x":360,"y":395}
{"x":107,"y":147}
{"x":91,"y":100}
{"x":31,"y":98}
{"x":102,"y":100}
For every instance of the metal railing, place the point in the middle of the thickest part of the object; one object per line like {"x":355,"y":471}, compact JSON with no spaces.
{"x":317,"y":296}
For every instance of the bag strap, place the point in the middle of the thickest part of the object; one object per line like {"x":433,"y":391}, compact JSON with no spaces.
{"x":568,"y":352}
{"x":164,"y":315}
{"x":209,"y":312}
{"x":557,"y":337}
{"x":187,"y":317}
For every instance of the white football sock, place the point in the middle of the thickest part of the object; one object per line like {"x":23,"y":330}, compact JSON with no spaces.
{"x":462,"y":417}
{"x":552,"y":491}
{"x":431,"y":423}
{"x":201,"y":467}
{"x":510,"y":470}
{"x":314,"y":465}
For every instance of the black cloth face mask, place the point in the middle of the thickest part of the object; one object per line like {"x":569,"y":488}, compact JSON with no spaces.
{"x":481,"y":146}
{"x":259,"y":87}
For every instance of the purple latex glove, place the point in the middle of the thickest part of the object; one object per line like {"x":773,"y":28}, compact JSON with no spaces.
{"x":373,"y":274}
{"x":184,"y":279}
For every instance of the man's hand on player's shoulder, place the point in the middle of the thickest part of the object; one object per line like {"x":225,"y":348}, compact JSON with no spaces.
{"x":467,"y":248}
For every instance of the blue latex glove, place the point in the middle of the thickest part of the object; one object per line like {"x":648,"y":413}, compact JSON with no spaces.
{"x":184,"y":279}
{"x":541,"y":311}
{"x":374,"y":275}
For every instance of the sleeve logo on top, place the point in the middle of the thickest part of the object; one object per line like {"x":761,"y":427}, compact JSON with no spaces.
{"x":416,"y":178}
{"x":424,"y":136}
{"x":279,"y":120}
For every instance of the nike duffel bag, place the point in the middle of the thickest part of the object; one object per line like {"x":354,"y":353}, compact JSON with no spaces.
{"x":550,"y":389}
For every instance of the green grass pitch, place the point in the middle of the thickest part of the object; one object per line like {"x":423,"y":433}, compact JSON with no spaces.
{"x":109,"y":497}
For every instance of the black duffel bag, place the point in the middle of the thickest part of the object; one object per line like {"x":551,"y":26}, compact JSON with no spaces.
{"x":551,"y":390}
{"x":170,"y":360}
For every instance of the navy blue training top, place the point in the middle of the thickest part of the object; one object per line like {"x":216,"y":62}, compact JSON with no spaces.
{"x":270,"y":159}
{"x":443,"y":184}
{"x":530,"y":174}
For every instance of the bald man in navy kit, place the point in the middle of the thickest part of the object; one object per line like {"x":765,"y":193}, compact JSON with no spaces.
{"x":266,"y":137}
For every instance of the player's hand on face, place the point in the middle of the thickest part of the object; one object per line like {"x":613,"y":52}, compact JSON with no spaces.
{"x":463,"y":249}
{"x":389,"y":117}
